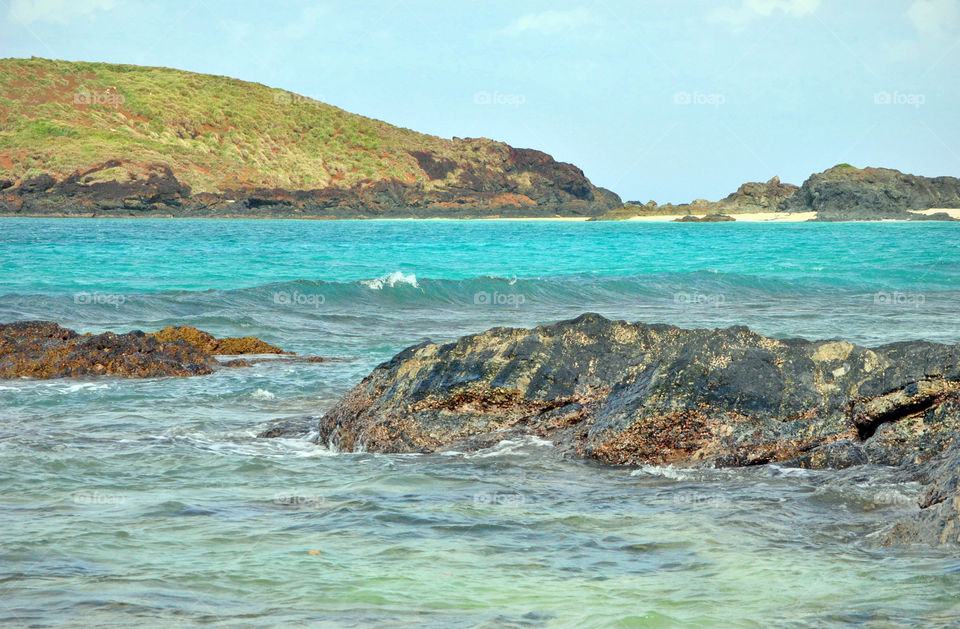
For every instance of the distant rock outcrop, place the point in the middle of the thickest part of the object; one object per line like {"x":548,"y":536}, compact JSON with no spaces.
{"x":709,"y":218}
{"x":754,"y":197}
{"x":750,"y":198}
{"x":846,"y":193}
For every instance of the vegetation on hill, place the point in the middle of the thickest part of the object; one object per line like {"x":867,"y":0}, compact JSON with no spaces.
{"x":213,"y":131}
{"x":164,"y":136}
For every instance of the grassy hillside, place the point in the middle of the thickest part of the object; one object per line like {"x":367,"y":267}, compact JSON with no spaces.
{"x":214,"y":132}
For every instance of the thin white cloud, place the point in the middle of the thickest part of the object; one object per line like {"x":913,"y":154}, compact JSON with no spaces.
{"x":309,"y":22}
{"x":934,"y":18}
{"x":751,"y":10}
{"x":551,"y":22}
{"x":62,"y":11}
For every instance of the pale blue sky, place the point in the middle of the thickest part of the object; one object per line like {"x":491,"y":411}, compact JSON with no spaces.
{"x":775,"y":87}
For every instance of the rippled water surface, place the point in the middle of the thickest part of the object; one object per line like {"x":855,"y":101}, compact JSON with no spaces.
{"x":150,"y":502}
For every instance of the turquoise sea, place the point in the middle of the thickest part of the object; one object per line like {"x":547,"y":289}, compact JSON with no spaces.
{"x":150,"y":502}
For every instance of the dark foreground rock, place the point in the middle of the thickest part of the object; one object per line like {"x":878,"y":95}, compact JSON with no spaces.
{"x":627,"y":394}
{"x":42,"y":349}
{"x":634,"y":393}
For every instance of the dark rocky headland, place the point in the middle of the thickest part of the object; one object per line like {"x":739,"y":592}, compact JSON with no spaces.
{"x":549,"y":189}
{"x":631,"y":394}
{"x":106,"y":140}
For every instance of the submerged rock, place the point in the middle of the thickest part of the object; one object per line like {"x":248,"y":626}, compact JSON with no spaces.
{"x":43,"y":349}
{"x":211,"y":345}
{"x":939,"y":519}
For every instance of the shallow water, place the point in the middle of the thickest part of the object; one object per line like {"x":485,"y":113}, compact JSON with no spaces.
{"x":150,"y":501}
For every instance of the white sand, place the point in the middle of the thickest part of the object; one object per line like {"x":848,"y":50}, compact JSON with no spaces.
{"x":759,"y":217}
{"x":490,"y":218}
{"x":540,"y":218}
{"x":953,"y":212}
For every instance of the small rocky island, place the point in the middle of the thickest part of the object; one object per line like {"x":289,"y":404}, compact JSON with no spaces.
{"x":630,"y":393}
{"x":841,"y":193}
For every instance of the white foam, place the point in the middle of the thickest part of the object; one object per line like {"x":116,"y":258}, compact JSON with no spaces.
{"x":790,"y":472}
{"x":244,"y":443}
{"x":509,"y":446}
{"x":390,"y":280}
{"x":878,"y":492}
{"x":263,"y":394}
{"x":666,"y":471}
{"x":78,"y":386}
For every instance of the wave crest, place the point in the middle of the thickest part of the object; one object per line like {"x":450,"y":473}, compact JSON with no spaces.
{"x":390,"y":280}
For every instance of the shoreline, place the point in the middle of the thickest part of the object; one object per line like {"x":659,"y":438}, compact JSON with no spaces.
{"x":760,"y":217}
{"x":764,"y":217}
{"x":574,"y":219}
{"x":949,"y":211}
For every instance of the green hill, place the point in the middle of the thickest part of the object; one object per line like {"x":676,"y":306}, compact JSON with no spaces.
{"x":102,"y":138}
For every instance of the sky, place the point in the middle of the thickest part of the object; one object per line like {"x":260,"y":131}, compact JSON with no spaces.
{"x":668,"y":100}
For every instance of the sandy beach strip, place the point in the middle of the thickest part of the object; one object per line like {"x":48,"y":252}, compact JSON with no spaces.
{"x":534,"y":218}
{"x":953,"y":212}
{"x":758,"y":217}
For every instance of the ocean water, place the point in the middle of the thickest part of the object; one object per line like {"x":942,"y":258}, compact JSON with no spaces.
{"x":151,"y":502}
